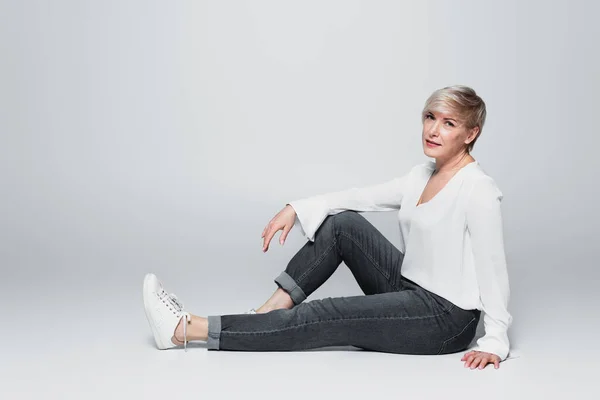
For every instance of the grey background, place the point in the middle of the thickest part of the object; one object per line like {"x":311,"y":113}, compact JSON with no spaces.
{"x":154,"y":136}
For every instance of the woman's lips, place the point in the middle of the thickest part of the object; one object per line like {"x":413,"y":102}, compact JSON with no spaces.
{"x":431,"y":144}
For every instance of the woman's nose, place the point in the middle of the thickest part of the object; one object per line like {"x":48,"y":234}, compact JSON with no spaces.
{"x":433,"y":129}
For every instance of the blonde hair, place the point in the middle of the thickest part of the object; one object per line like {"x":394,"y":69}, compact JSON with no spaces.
{"x":461,"y":100}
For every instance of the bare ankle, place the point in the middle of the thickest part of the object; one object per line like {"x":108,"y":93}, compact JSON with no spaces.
{"x":279,"y":300}
{"x":270,"y":306}
{"x":178,"y":334}
{"x":197,"y":329}
{"x":265,"y":309}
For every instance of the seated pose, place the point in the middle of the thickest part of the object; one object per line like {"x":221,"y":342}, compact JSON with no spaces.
{"x":425,"y":297}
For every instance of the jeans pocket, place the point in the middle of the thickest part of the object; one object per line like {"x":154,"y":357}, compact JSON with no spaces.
{"x":446,"y":305}
{"x":461,"y":340}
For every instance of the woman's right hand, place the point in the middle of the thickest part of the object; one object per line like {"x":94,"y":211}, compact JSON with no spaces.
{"x":283,"y":220}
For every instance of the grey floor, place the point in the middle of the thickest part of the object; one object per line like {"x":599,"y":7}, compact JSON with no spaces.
{"x":83,"y":334}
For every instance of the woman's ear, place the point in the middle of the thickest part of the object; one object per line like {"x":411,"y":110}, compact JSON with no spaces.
{"x":473,"y":134}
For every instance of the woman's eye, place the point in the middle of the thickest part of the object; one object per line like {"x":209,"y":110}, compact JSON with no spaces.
{"x":451,"y":124}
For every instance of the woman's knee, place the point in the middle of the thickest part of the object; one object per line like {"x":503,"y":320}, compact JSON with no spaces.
{"x":347,"y":219}
{"x":344,"y":221}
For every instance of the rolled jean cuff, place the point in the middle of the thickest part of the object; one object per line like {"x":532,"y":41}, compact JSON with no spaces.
{"x":214,"y":332}
{"x":287,"y":283}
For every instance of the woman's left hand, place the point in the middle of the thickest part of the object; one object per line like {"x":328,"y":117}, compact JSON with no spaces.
{"x":474,"y":358}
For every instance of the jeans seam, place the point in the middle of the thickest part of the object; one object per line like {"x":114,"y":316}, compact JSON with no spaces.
{"x":373,"y":261}
{"x":328,"y":320}
{"x":455,"y":336}
{"x":316,"y":263}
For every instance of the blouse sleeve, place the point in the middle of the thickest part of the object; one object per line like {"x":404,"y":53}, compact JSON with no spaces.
{"x":384,"y":196}
{"x":485,"y":226}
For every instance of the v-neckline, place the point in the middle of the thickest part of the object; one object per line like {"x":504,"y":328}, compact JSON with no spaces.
{"x":443,"y":187}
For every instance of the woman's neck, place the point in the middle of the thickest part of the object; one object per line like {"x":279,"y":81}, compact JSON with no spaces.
{"x":453,"y":164}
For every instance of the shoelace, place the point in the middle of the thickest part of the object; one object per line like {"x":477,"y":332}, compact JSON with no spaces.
{"x":177,"y":305}
{"x":186,"y":320}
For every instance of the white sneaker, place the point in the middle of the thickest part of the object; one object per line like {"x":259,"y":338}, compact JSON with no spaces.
{"x":164,"y":311}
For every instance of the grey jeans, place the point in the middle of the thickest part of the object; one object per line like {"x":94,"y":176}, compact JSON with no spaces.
{"x":394,"y":315}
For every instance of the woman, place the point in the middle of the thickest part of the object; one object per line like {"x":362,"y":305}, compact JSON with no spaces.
{"x":424,"y":298}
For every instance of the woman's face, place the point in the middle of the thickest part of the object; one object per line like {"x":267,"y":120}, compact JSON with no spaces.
{"x":446,"y":130}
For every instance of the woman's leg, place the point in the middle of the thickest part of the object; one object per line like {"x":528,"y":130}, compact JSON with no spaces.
{"x":411,"y":321}
{"x":349,"y":237}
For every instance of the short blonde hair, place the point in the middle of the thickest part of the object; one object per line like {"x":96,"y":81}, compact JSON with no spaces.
{"x":463,"y":101}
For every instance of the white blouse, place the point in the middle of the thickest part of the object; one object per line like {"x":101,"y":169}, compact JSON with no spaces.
{"x":453,"y":244}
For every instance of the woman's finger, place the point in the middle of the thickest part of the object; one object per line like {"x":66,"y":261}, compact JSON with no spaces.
{"x":270,"y":235}
{"x":284,"y":234}
{"x":484,"y":361}
{"x":466,"y":360}
{"x":265,"y":240}
{"x":475,"y":362}
{"x":469,"y":360}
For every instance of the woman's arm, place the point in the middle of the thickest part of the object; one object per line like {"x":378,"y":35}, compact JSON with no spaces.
{"x":484,"y":223}
{"x":312,"y":211}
